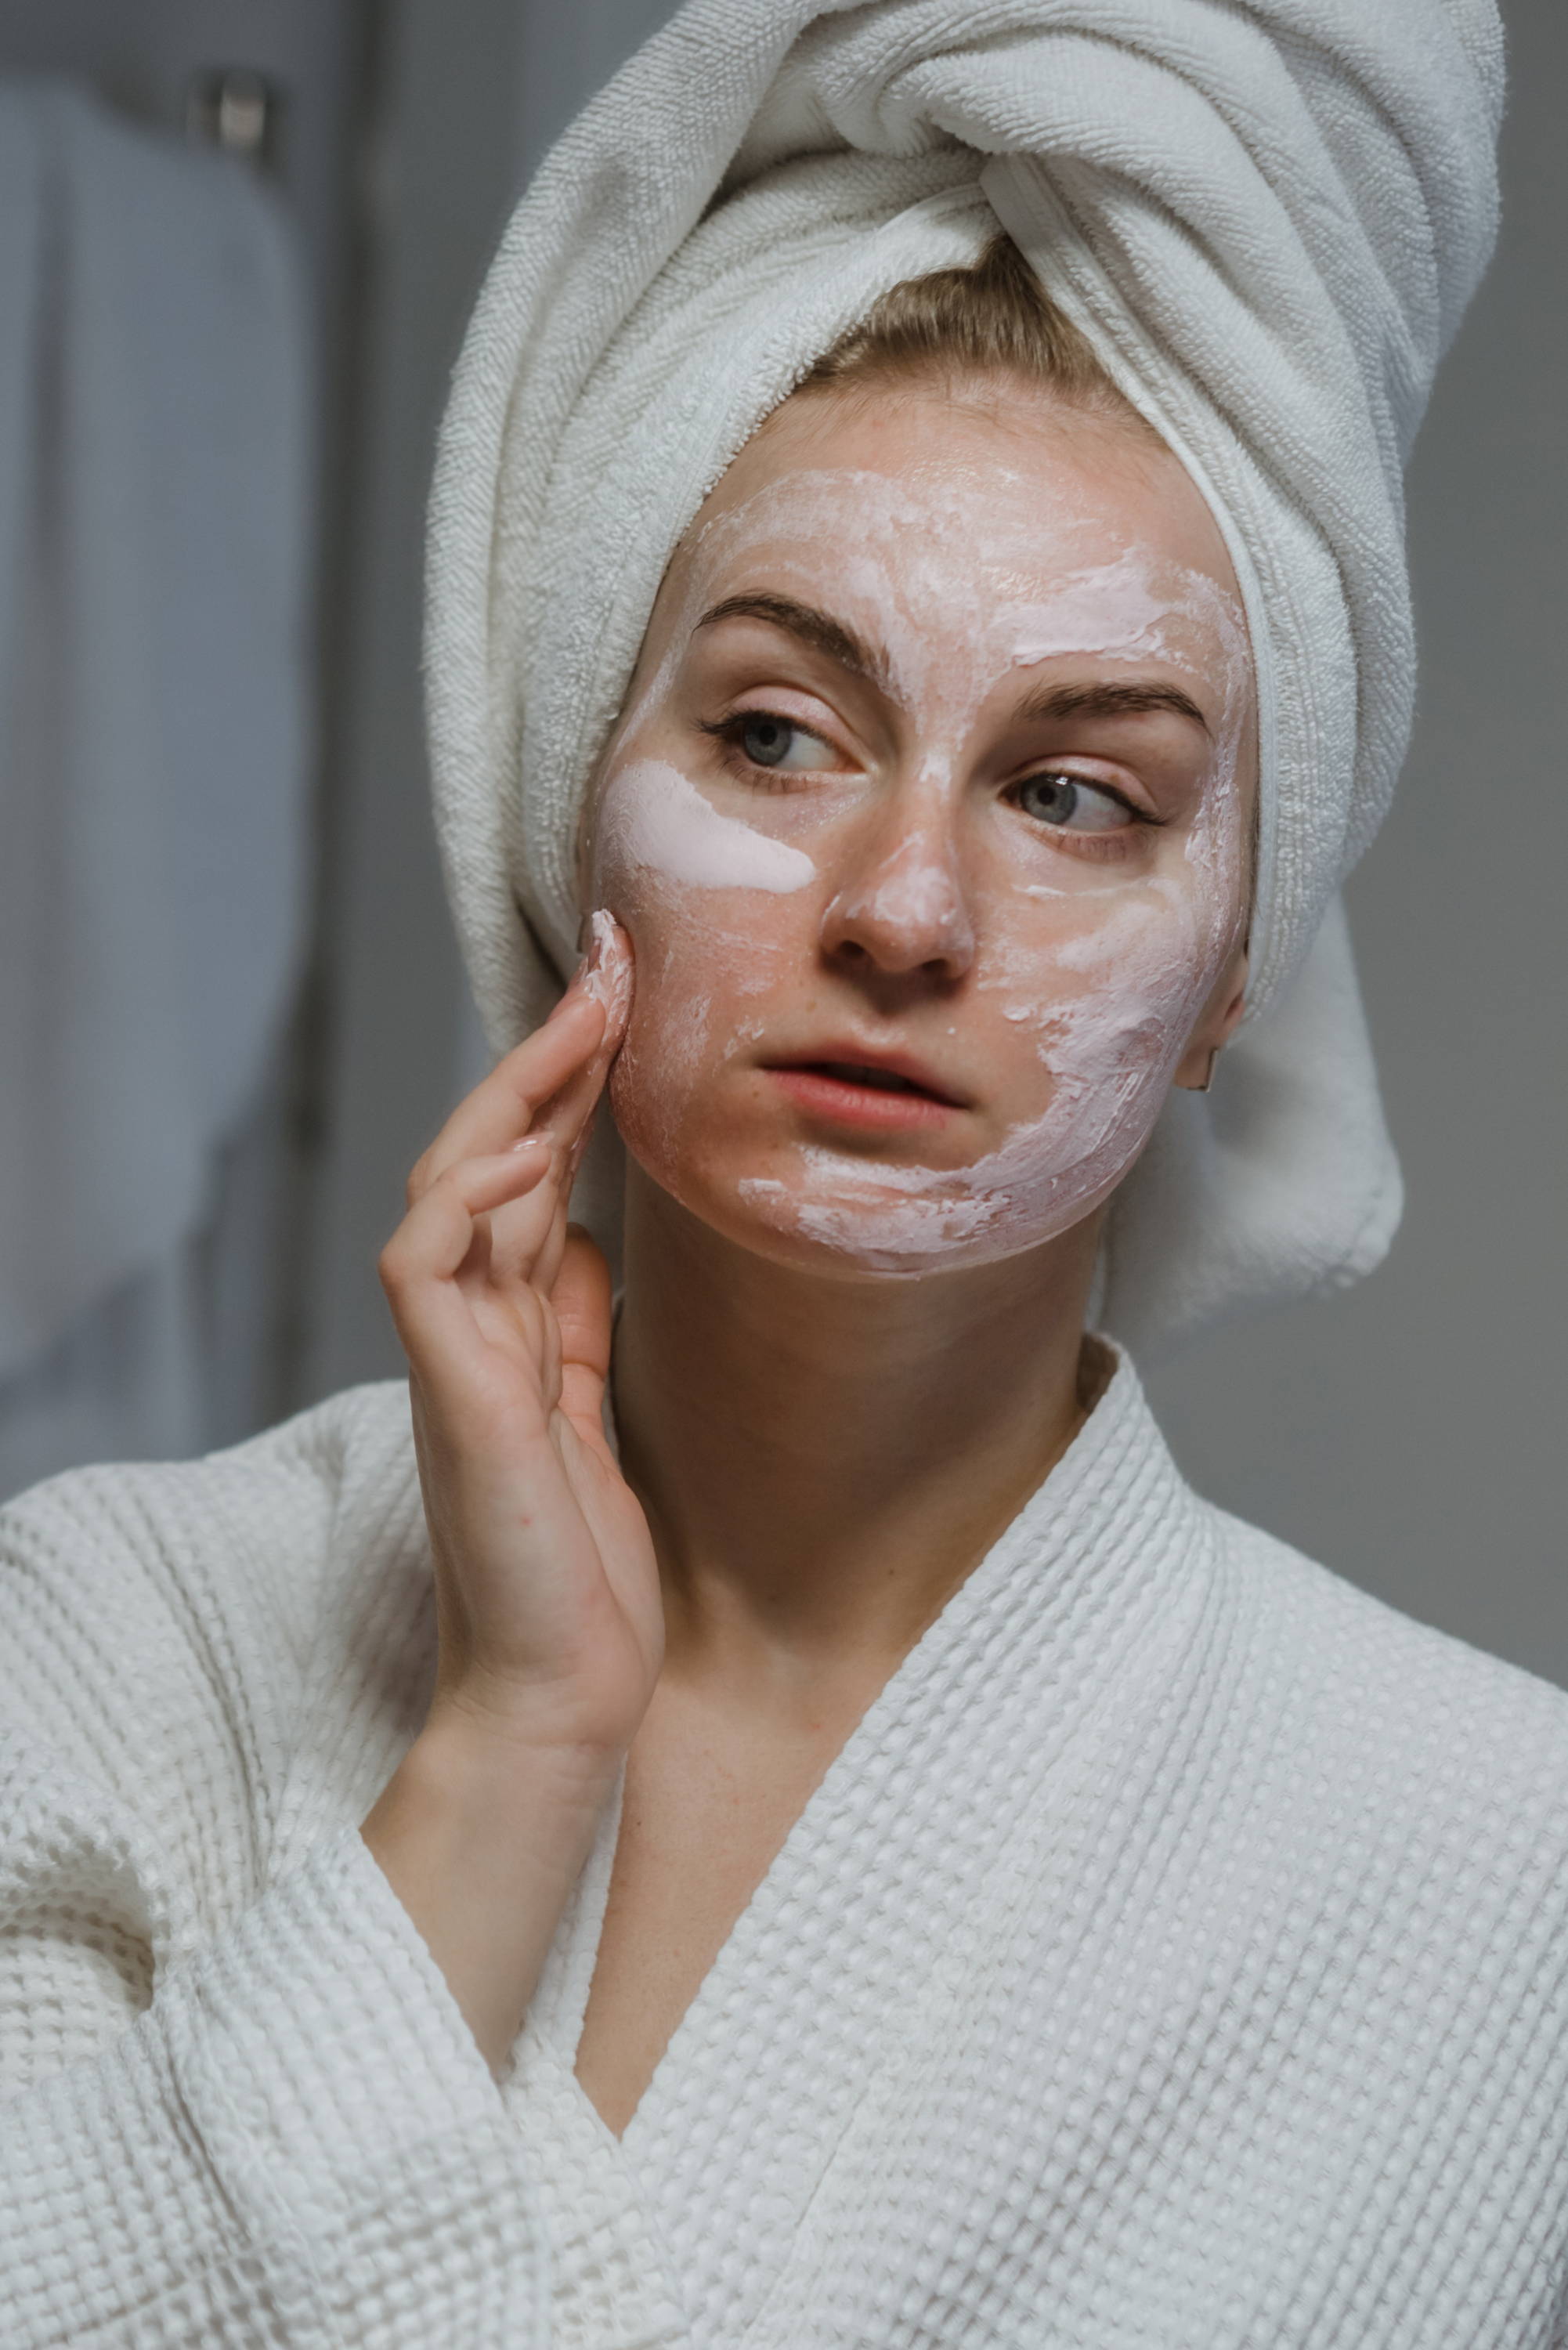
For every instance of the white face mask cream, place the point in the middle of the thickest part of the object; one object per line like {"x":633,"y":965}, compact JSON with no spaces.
{"x":895,"y":882}
{"x":656,"y":819}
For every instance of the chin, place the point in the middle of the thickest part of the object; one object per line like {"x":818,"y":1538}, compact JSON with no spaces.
{"x":841,"y":1209}
{"x":881,"y":1223}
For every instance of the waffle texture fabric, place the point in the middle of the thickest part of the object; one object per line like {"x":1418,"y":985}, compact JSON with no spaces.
{"x":1175,"y":1958}
{"x":1267,"y":218}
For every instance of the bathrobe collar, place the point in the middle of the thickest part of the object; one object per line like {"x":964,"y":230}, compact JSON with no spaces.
{"x":875,"y":1917}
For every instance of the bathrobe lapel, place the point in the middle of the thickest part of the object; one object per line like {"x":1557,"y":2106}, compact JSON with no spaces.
{"x":876,"y":1922}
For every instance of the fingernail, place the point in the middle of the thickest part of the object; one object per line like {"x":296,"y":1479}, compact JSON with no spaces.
{"x":591,"y":962}
{"x":607,"y":972}
{"x":528,"y":1142}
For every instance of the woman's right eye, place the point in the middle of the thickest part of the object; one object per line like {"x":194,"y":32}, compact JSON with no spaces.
{"x":769,"y":740}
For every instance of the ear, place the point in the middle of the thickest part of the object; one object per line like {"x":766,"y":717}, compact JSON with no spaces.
{"x":1216,"y":1026}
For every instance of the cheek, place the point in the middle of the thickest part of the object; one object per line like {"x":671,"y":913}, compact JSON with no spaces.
{"x":1087,"y":1020}
{"x":697,"y":890}
{"x":1109,"y":1001}
{"x":1116,"y":961}
{"x":707,"y":958}
{"x":1095,"y":1015}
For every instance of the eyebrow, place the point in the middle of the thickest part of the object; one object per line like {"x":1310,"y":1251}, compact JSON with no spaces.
{"x":840,"y":643}
{"x":1108,"y":701}
{"x":817,"y":628}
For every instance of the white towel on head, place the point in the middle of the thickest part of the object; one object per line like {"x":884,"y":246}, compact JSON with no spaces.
{"x":1267,"y":217}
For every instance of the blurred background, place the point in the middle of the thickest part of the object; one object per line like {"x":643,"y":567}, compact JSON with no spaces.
{"x":239,"y":239}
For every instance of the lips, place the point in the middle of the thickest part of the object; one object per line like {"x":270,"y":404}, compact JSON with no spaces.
{"x":866,"y":1073}
{"x":846,"y":1088}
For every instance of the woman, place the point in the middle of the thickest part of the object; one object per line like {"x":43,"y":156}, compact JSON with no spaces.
{"x":814,"y":1834}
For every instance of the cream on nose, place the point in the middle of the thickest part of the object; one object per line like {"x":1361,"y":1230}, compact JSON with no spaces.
{"x":908,"y":910}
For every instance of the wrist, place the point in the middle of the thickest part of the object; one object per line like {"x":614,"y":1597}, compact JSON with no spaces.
{"x":467,"y":1754}
{"x":482,"y":1841}
{"x":488,"y":1724}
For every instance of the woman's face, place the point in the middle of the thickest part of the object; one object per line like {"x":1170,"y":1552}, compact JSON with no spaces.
{"x":929,"y":817}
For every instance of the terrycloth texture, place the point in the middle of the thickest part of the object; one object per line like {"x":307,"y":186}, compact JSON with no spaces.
{"x":1268,"y":219}
{"x":154,"y":481}
{"x":1176,"y":1954}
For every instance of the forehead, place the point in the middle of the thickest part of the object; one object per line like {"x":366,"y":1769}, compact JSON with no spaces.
{"x":1008,"y":490}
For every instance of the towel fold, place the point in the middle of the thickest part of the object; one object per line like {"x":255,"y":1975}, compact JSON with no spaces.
{"x":1267,"y":218}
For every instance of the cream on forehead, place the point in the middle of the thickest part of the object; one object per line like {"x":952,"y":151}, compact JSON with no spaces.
{"x":965,"y":580}
{"x":655,"y":817}
{"x":976,"y":545}
{"x":964,"y":574}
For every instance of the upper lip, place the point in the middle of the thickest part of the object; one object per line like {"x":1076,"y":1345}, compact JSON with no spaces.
{"x":847,"y":1053}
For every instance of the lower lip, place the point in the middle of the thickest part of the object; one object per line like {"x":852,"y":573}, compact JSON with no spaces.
{"x":843,"y":1103}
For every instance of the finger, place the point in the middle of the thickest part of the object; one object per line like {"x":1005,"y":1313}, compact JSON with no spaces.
{"x":563,"y":1120}
{"x":433,"y":1240}
{"x":502,"y":1106}
{"x":567,"y":1121}
{"x":440,"y":1324}
{"x":434,"y":1268}
{"x":607,"y":975}
{"x":604,"y":977}
{"x":525,"y":1232}
{"x":528,"y":1234}
{"x":546,"y":1267}
{"x":582,"y":1301}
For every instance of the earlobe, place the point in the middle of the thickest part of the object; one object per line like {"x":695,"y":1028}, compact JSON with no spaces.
{"x":1196,"y":1073}
{"x":1239,"y":972}
{"x":1231,"y":1020}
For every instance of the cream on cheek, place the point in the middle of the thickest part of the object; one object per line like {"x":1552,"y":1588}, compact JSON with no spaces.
{"x":1102,"y":974}
{"x":655,"y":820}
{"x":686,"y":879}
{"x":1108,"y":1008}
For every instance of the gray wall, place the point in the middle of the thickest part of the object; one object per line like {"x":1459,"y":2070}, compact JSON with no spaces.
{"x":1411,"y":1432}
{"x":1406,"y":1433}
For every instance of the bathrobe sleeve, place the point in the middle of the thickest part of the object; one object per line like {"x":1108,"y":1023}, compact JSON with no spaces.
{"x":235,"y":2108}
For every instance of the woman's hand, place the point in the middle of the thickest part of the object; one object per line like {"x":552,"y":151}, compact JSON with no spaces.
{"x":548,"y":1614}
{"x":549,"y":1623}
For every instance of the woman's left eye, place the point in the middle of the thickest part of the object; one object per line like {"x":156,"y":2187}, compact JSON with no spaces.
{"x":1071,"y":803}
{"x":769,"y":740}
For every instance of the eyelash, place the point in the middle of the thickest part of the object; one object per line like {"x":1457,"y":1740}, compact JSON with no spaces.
{"x":1096,"y":847}
{"x":730,"y":730}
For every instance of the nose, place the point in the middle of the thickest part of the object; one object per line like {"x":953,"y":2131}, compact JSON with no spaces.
{"x":902,"y":906}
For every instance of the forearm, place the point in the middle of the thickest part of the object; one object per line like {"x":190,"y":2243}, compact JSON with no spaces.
{"x":482,"y":1839}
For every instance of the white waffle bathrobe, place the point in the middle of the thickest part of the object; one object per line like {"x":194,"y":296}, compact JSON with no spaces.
{"x":1176,"y":1956}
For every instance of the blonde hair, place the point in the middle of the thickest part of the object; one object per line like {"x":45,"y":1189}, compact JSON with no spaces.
{"x":994,"y":318}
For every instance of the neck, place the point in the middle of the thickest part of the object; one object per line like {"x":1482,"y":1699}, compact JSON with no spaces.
{"x":824,"y":1460}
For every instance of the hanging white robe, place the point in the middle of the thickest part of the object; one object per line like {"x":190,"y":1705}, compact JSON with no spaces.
{"x":1175,"y":1955}
{"x":155,"y":762}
